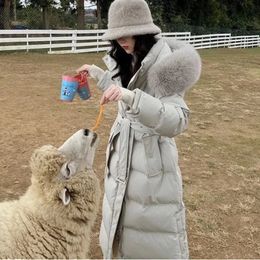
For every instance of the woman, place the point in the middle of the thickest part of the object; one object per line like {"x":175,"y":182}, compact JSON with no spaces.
{"x":143,"y":210}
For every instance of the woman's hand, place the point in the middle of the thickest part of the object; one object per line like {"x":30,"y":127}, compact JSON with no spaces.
{"x":84,"y":68}
{"x":113,"y":93}
{"x":92,"y":71}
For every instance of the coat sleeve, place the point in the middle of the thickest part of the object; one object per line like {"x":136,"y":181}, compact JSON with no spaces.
{"x":168,"y":116}
{"x":106,"y":80}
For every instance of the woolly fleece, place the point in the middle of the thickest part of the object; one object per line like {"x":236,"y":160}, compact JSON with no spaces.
{"x":39,"y":225}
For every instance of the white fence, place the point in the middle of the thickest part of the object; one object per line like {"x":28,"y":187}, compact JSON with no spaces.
{"x":77,"y":41}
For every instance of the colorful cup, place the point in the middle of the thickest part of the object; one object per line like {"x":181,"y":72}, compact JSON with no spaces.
{"x":83,"y":87}
{"x":69,"y":88}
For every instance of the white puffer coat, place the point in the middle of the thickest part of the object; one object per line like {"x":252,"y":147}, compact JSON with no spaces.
{"x":143,"y":205}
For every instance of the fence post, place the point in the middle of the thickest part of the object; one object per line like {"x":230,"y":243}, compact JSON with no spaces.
{"x":229,"y":40}
{"x":189,"y":37}
{"x":97,"y":41}
{"x":74,"y":41}
{"x":50,"y":32}
{"x":27,"y":42}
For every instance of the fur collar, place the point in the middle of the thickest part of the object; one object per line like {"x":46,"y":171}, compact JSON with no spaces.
{"x":172,"y":67}
{"x":177,"y":71}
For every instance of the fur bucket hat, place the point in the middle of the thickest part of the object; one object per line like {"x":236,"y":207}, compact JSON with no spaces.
{"x":128,"y":18}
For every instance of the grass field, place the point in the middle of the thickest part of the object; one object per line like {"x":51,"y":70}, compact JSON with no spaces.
{"x":219,"y":153}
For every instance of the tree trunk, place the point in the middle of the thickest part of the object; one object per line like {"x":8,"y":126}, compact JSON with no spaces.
{"x":81,"y":15}
{"x":99,"y":17}
{"x":14,"y":10}
{"x":6,"y":14}
{"x":1,"y":14}
{"x":45,"y":17}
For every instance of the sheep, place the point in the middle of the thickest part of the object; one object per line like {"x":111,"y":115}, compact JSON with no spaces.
{"x":53,"y":219}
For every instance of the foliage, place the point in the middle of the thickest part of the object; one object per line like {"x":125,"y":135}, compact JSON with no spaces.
{"x":58,"y":19}
{"x":197,"y":16}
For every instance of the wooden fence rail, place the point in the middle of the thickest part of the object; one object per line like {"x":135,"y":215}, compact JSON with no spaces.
{"x":77,"y":41}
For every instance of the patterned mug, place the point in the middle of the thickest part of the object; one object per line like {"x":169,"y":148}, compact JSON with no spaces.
{"x":69,"y":86}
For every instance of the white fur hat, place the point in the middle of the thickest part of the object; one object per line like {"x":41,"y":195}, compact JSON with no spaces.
{"x":128,"y":18}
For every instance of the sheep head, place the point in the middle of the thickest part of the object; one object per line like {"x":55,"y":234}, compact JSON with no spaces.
{"x":63,"y":176}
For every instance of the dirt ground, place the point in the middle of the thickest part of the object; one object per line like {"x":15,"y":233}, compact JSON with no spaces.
{"x":219,"y":153}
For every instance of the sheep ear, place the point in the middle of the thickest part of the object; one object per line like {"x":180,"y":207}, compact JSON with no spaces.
{"x":68,"y":169}
{"x":65,"y":196}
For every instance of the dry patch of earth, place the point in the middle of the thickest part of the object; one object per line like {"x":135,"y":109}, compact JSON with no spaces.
{"x":219,"y":154}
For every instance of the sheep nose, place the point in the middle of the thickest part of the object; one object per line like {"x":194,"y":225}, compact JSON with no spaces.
{"x":86,"y":132}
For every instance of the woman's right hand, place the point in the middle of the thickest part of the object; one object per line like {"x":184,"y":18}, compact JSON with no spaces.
{"x":84,"y":68}
{"x":92,"y":71}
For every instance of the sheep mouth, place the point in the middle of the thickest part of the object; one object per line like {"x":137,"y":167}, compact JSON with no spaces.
{"x":94,"y":139}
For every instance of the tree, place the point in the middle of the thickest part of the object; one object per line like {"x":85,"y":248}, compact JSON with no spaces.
{"x":80,"y":14}
{"x":5,"y":7}
{"x":157,"y":10}
{"x":197,"y":16}
{"x":102,"y":11}
{"x":99,"y":17}
{"x":44,"y":5}
{"x":1,"y":14}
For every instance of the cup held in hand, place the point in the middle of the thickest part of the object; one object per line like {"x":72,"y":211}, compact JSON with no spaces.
{"x":83,"y":87}
{"x":69,"y":88}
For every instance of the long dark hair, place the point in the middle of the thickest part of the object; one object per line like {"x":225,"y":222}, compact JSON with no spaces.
{"x":143,"y":44}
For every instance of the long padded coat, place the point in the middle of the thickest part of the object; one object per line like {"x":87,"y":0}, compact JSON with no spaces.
{"x":143,"y":202}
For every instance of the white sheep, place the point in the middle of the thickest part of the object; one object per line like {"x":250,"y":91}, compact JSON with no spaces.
{"x":53,"y":219}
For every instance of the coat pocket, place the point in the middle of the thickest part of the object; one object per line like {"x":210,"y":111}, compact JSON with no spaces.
{"x":152,"y":155}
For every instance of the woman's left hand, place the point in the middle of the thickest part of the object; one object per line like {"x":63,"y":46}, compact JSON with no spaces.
{"x":113,"y":93}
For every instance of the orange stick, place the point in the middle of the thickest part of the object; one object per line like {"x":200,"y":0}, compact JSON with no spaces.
{"x":99,"y":118}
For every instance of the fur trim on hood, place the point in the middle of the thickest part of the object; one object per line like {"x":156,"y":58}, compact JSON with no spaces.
{"x":177,"y":72}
